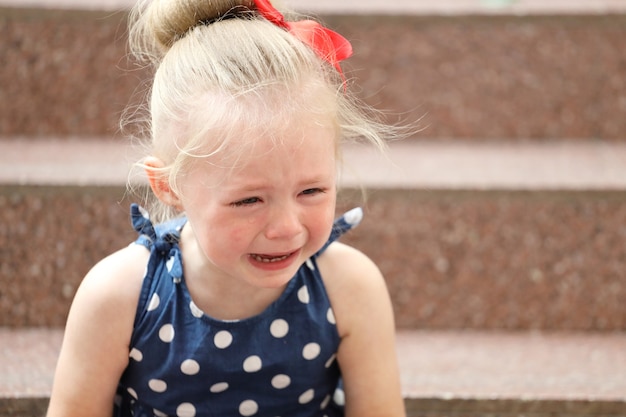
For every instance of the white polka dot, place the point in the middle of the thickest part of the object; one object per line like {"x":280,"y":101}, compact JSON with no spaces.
{"x":195,"y":311}
{"x":339,"y":397}
{"x":354,"y":216}
{"x":166,"y":333}
{"x":306,"y":397}
{"x":186,"y":410}
{"x":303,"y":295}
{"x":309,"y":263}
{"x":252,"y":364}
{"x":330,"y":361}
{"x":136,"y":355}
{"x":325,"y":402}
{"x":190,"y":367}
{"x":248,"y":408}
{"x":157,"y":385}
{"x":158,"y":413}
{"x":219,"y":387}
{"x":132,"y":393}
{"x":281,"y":381}
{"x":154,"y":302}
{"x":330,"y":316}
{"x":144,"y":213}
{"x":170,"y":263}
{"x":279,"y":328}
{"x":223,"y":339}
{"x":311,"y":351}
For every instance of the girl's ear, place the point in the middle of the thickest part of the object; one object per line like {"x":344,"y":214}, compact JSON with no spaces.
{"x":159,"y":182}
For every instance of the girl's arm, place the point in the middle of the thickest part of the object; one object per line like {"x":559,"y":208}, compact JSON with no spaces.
{"x":367,"y":354}
{"x":95,"y":346}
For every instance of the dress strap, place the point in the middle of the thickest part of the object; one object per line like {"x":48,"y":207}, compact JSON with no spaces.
{"x":161,"y":237}
{"x":143,"y":225}
{"x":343,"y":224}
{"x":162,"y":242}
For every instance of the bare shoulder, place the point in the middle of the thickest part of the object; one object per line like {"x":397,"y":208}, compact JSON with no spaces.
{"x":97,"y":335}
{"x":364,"y":316}
{"x":114,"y":280}
{"x":346,"y":262}
{"x":109,"y":293}
{"x":107,"y":298}
{"x":353,"y":282}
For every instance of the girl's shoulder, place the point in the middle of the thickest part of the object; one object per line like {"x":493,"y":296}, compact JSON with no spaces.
{"x":115,"y":282}
{"x":354,"y":284}
{"x":344,"y":263}
{"x":363,"y":313}
{"x":97,"y":335}
{"x":118,"y":268}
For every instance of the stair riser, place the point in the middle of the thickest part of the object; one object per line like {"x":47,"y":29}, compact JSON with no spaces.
{"x":514,"y":260}
{"x":438,"y":407}
{"x":453,"y":259}
{"x":429,"y":407}
{"x":23,"y":407}
{"x":471,"y":77}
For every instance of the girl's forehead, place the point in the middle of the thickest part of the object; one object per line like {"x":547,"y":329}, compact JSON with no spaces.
{"x":301,"y":131}
{"x":256,"y":145}
{"x":299,"y":141}
{"x":247,"y":128}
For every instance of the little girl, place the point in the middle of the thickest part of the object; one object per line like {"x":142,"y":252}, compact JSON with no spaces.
{"x":236,"y":299}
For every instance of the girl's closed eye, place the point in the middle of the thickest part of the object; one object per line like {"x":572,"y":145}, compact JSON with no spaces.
{"x":313,"y":191}
{"x":246,"y":202}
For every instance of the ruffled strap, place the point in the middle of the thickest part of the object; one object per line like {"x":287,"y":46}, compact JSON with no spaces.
{"x":161,"y":237}
{"x":162,"y":242}
{"x":143,"y":225}
{"x":343,"y":224}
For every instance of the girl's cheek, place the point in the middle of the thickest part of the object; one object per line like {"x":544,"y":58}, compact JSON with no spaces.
{"x":237,"y":235}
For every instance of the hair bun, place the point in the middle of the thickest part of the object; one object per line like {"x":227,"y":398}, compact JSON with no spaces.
{"x":169,"y":20}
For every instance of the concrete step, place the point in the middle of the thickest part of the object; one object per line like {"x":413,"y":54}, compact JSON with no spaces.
{"x":399,"y":7}
{"x":530,"y":70}
{"x":517,"y":236}
{"x":449,"y":373}
{"x":555,"y":165}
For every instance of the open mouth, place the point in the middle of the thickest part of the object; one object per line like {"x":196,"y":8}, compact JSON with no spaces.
{"x":268,"y":258}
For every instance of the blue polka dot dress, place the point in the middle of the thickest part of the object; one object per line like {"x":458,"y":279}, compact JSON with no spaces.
{"x":184,"y":363}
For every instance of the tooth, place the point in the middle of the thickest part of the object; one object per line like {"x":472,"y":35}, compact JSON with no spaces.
{"x":263,"y":259}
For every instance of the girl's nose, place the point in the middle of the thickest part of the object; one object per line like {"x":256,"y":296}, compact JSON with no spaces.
{"x":284,"y":223}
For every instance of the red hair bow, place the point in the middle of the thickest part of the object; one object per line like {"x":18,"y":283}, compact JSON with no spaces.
{"x":327,"y":44}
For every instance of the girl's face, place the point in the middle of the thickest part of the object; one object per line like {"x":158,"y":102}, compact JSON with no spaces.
{"x":262,"y":220}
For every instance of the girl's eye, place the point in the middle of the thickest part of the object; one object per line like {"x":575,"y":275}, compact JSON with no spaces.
{"x":311,"y":191}
{"x":246,"y":202}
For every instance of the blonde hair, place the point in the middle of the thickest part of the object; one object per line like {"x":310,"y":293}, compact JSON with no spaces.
{"x":221,"y":69}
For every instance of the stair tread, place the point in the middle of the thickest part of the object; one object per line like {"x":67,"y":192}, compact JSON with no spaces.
{"x":507,"y":365}
{"x":547,"y":165}
{"x":445,"y":7}
{"x":444,"y":365}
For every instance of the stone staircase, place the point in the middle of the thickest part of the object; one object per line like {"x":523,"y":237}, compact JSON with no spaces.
{"x":501,"y":226}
